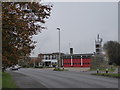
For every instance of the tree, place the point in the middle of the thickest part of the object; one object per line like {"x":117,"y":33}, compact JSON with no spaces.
{"x":98,"y":61}
{"x":20,"y":21}
{"x":112,"y":49}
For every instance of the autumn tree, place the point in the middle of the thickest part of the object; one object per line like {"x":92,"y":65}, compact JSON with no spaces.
{"x":112,"y":49}
{"x":20,"y":21}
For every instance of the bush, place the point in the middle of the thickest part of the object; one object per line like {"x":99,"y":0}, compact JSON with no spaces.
{"x":25,"y":66}
{"x":59,"y":69}
{"x":38,"y":66}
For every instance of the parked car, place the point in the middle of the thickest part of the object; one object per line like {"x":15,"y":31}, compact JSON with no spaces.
{"x":19,"y":67}
{"x":15,"y":67}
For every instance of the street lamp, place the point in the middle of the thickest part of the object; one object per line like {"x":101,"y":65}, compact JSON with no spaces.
{"x":59,"y":48}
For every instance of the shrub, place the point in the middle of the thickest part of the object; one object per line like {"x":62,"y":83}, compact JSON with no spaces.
{"x":38,"y":66}
{"x":59,"y":69}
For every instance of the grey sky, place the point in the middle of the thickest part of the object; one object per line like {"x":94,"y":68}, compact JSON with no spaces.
{"x":80,"y":22}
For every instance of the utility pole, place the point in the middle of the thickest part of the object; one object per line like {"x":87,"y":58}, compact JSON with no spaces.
{"x":59,"y":48}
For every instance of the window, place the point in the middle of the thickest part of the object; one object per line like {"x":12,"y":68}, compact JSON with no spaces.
{"x":55,"y":56}
{"x":64,"y":57}
{"x":74,"y":57}
{"x":97,"y":50}
{"x":83,"y":57}
{"x":97,"y":46}
{"x":52,"y":57}
{"x":78,"y":57}
{"x":49,"y":56}
{"x":68,"y":57}
{"x":46,"y":58}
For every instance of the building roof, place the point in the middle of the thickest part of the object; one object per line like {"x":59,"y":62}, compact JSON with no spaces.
{"x":87,"y":54}
{"x":50,"y":54}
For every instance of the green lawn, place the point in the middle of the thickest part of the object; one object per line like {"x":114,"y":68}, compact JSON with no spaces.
{"x":108,"y":74}
{"x":7,"y":81}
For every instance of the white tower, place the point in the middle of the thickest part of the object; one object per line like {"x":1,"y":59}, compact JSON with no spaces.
{"x":98,"y":45}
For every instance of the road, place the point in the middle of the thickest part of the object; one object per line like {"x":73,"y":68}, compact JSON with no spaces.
{"x":68,"y":79}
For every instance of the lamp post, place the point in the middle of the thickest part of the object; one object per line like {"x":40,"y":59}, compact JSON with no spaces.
{"x":59,"y":48}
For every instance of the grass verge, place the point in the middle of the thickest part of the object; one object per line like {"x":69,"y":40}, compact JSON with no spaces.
{"x":104,"y":69}
{"x":0,"y":79}
{"x":116,"y":75}
{"x":7,"y":81}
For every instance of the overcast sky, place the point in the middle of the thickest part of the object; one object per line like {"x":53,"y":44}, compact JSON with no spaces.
{"x":80,"y":22}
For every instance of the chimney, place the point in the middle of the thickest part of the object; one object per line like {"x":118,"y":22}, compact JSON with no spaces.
{"x":71,"y":50}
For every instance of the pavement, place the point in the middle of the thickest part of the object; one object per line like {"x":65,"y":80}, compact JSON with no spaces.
{"x":43,"y":78}
{"x":77,"y":69}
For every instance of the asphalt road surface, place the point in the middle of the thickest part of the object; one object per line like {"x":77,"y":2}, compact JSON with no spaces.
{"x":62,"y":79}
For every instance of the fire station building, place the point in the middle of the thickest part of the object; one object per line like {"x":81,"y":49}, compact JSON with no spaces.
{"x":67,"y":60}
{"x":76,"y":60}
